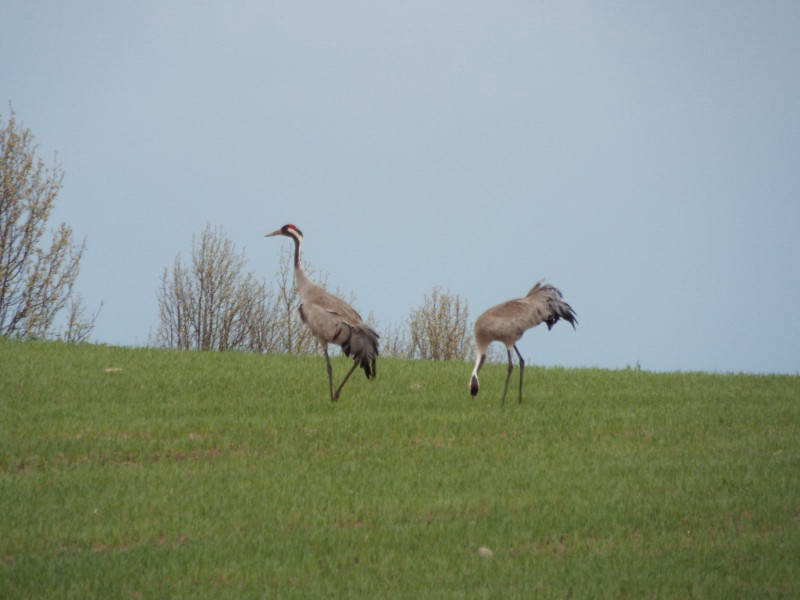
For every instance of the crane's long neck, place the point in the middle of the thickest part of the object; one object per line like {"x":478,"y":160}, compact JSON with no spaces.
{"x":480,"y":357}
{"x":301,"y":280}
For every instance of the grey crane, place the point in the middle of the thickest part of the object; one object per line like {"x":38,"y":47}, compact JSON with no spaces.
{"x":331,"y":320}
{"x":507,"y":322}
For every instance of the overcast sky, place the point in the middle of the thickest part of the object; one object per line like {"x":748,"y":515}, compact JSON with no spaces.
{"x":644,"y":157}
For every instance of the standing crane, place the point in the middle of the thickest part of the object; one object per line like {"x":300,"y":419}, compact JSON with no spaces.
{"x":507,"y":322}
{"x":331,"y":320}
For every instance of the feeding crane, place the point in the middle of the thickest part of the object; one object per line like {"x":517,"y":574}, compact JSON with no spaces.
{"x":507,"y":321}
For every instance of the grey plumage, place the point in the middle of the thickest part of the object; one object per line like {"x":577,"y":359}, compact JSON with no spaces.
{"x":362,"y":345}
{"x":331,"y":320}
{"x":508,"y":321}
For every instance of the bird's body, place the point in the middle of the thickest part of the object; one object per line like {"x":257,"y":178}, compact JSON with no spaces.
{"x":322,"y":312}
{"x":331,"y":320}
{"x":508,"y":321}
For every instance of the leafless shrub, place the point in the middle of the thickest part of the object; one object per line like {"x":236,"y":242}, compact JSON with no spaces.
{"x":78,"y":326}
{"x":211,"y":303}
{"x":36,"y":282}
{"x":264,"y":331}
{"x":396,"y":342}
{"x":438,"y":328}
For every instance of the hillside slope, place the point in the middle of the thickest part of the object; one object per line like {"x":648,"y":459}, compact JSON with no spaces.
{"x":148,"y":473}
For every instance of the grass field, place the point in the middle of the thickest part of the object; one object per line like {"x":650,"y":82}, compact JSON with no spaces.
{"x":139,"y":473}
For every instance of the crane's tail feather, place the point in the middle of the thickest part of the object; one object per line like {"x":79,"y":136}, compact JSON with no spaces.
{"x":556,"y":307}
{"x":362,"y":345}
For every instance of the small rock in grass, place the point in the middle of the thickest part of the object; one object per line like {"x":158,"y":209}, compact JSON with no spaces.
{"x":485,"y":552}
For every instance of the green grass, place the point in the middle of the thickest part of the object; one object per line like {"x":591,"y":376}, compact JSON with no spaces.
{"x":198,"y":475}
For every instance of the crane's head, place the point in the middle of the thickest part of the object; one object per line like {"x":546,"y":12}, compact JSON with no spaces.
{"x":289,"y":231}
{"x":474,"y":386}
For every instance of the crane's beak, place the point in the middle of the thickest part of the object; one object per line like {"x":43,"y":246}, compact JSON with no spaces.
{"x":276,"y":232}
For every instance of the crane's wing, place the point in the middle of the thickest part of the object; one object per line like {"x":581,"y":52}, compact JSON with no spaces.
{"x":330,"y":318}
{"x":340,"y":308}
{"x":331,"y":326}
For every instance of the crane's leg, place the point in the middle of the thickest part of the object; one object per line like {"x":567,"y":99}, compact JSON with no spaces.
{"x":341,"y":385}
{"x":508,"y":375}
{"x":521,"y":371}
{"x":329,"y":368}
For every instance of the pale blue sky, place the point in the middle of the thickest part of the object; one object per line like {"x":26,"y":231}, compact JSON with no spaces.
{"x":642,"y":156}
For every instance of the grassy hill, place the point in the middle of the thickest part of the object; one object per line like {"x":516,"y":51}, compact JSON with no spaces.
{"x":139,"y":473}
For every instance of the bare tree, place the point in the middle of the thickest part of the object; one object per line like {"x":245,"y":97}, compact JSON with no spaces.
{"x":211,"y":303}
{"x":36,"y":280}
{"x":264,"y":330}
{"x":438,"y":328}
